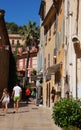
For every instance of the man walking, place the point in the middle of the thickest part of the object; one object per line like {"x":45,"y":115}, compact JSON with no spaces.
{"x":17,"y":91}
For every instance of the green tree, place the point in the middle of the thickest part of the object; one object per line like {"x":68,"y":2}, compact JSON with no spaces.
{"x":67,"y":114}
{"x":30,"y":34}
{"x":12,"y":28}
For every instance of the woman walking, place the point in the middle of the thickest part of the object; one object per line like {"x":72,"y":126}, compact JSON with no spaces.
{"x":5,"y":100}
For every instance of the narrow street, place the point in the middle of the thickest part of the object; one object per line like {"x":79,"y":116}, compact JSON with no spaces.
{"x":29,"y":117}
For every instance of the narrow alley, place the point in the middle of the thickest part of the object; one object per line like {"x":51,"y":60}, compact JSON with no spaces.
{"x":29,"y":117}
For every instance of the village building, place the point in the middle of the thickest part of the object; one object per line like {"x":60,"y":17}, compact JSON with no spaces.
{"x":52,"y":23}
{"x":17,"y":45}
{"x":60,"y":38}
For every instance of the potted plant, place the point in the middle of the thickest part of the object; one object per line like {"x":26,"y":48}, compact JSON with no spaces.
{"x":67,"y":114}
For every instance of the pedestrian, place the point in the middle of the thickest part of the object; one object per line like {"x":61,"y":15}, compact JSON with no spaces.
{"x":16,"y":94}
{"x":5,"y":100}
{"x":28,"y":93}
{"x":38,"y":92}
{"x":33,"y":94}
{"x":53,"y":94}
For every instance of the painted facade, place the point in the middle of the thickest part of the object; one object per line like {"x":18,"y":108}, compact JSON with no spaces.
{"x":21,"y":63}
{"x":53,"y":25}
{"x":16,"y":40}
{"x":60,"y":23}
{"x":73,"y":34}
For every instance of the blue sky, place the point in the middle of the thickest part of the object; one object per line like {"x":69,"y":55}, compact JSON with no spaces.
{"x":21,"y":11}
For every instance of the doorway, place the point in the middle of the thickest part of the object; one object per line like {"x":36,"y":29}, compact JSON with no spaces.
{"x":48,"y":95}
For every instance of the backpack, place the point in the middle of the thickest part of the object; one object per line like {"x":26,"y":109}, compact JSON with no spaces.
{"x":27,"y":92}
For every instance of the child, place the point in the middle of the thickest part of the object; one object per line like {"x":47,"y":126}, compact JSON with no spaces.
{"x":5,"y":100}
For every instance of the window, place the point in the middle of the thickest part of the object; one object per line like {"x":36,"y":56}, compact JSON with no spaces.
{"x":45,"y":34}
{"x":55,"y":23}
{"x":12,"y":42}
{"x":44,"y":8}
{"x":49,"y":31}
{"x":63,"y":31}
{"x":44,"y":63}
{"x":54,"y":57}
{"x":57,"y":41}
{"x":48,"y":60}
{"x":54,"y":60}
{"x":21,"y":64}
{"x":17,"y":41}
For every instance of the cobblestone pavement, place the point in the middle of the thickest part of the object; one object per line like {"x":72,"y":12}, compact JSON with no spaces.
{"x":29,"y":117}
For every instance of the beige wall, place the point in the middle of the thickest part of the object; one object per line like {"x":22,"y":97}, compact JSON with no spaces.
{"x":49,"y":49}
{"x":48,"y":5}
{"x":66,"y":53}
{"x":79,"y":21}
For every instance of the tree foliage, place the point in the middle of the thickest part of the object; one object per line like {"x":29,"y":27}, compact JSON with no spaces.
{"x":66,"y":113}
{"x":29,"y":30}
{"x":30,"y":34}
{"x":12,"y":28}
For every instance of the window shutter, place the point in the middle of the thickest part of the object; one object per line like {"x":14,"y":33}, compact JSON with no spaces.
{"x":48,"y":60}
{"x":57,"y":41}
{"x":63,"y":31}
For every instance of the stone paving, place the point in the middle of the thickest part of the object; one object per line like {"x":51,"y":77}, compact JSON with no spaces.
{"x":29,"y":117}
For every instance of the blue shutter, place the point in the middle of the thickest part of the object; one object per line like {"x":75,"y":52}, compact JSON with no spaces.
{"x":57,"y":41}
{"x":63,"y":31}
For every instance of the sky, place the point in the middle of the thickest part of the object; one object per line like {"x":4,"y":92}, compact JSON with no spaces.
{"x":21,"y":11}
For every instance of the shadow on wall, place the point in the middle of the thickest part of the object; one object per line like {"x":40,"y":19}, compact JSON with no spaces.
{"x":4,"y":53}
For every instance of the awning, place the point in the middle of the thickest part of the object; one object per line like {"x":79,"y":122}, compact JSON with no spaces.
{"x":53,"y":69}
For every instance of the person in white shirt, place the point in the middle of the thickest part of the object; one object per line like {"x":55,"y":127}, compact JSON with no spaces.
{"x":17,"y":92}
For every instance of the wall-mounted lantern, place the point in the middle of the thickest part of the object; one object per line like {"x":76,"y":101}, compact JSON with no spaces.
{"x":76,"y":44}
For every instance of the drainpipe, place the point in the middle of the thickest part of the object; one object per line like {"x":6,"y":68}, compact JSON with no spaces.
{"x":77,"y":13}
{"x":70,"y":49}
{"x":76,"y":42}
{"x":66,"y":45}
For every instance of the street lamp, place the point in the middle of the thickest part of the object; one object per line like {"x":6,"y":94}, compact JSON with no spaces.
{"x":75,"y":41}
